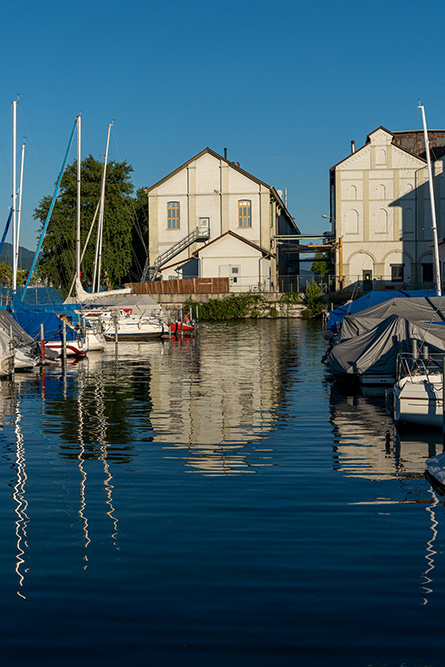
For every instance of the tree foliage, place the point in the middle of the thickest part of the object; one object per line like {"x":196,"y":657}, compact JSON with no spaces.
{"x":6,"y":275}
{"x":322,"y":264}
{"x":58,"y":261}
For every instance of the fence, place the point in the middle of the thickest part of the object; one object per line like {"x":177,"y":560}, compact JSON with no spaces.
{"x":183,"y":286}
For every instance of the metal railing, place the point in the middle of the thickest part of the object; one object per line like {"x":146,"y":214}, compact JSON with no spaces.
{"x":150,"y":272}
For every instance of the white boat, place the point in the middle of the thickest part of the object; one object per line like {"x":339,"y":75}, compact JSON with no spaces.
{"x":127,"y":325}
{"x":418,"y":399}
{"x":74,"y":348}
{"x":417,"y":395}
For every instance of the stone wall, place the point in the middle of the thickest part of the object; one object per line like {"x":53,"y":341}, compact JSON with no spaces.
{"x":270,"y":306}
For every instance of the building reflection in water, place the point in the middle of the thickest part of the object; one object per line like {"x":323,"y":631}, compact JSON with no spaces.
{"x":214,"y":416}
{"x":368,"y":445}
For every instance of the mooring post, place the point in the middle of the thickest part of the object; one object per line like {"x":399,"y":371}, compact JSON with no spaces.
{"x":169,"y":326}
{"x":11,"y":347}
{"x":443,"y":401}
{"x":42,"y":343}
{"x":116,"y":332}
{"x":64,"y":342}
{"x":181,"y":325}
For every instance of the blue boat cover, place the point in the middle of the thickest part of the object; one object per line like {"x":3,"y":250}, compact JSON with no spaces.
{"x":372,"y":298}
{"x":52,"y":325}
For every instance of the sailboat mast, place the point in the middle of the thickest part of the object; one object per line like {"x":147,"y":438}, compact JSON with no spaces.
{"x":19,"y":212}
{"x":14,"y":194}
{"x":78,"y":119}
{"x":433,"y":205}
{"x":98,"y":262}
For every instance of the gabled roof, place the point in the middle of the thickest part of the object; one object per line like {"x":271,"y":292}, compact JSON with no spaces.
{"x":266,"y":253}
{"x":233,"y":165}
{"x":368,"y":141}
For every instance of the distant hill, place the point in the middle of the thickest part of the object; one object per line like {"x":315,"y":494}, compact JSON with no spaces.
{"x":25,"y":256}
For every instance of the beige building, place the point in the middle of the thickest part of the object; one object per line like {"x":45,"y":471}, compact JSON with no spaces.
{"x":210,"y":200}
{"x":381,"y":210}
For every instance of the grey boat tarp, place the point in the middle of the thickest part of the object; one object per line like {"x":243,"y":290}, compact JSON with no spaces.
{"x":374,"y":352}
{"x":421,"y":310}
{"x":19,"y":335}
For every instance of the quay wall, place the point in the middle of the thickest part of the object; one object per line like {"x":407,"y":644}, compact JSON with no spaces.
{"x":268,"y":306}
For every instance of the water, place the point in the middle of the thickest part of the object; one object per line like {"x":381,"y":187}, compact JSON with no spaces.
{"x":216,"y":502}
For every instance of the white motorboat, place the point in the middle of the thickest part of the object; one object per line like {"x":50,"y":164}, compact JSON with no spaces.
{"x":127,"y":325}
{"x":417,"y":395}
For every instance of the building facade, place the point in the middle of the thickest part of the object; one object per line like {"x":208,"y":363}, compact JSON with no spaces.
{"x":198,"y":204}
{"x":381,"y":210}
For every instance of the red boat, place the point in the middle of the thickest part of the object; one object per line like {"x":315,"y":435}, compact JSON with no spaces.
{"x":187,"y":327}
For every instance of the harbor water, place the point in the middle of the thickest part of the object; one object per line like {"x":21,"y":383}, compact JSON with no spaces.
{"x":215,"y":501}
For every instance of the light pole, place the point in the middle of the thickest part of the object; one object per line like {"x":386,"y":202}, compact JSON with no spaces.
{"x":338,"y":245}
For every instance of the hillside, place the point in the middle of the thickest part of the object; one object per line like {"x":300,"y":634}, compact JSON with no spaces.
{"x":25,"y":256}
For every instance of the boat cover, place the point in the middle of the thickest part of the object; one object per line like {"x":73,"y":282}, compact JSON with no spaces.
{"x":374,"y":352}
{"x":426,"y":310}
{"x":19,"y":335}
{"x":436,"y":467}
{"x":369,"y":300}
{"x":52,"y":325}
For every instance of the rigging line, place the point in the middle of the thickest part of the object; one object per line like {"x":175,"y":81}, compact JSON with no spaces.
{"x":32,"y":152}
{"x":431,"y":321}
{"x":438,"y":98}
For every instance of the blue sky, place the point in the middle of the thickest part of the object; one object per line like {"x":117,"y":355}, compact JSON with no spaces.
{"x":284,"y":86}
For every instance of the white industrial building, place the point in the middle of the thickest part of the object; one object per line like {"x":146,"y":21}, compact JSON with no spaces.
{"x":210,"y":218}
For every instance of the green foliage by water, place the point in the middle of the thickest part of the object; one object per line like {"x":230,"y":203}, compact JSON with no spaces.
{"x":291,"y":297}
{"x":235,"y":307}
{"x":6,"y":275}
{"x":58,"y":261}
{"x":313,"y":301}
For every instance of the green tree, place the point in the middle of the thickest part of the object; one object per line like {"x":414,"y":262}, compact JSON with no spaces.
{"x":322,"y":264}
{"x":140,"y":236}
{"x":58,"y":260}
{"x":6,"y":275}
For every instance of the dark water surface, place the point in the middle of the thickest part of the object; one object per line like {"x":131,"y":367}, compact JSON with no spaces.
{"x":212,"y":503}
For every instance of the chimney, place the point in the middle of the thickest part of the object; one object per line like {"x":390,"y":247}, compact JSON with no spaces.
{"x":352,"y":146}
{"x":225,"y":153}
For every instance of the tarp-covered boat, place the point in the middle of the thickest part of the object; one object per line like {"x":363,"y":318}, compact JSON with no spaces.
{"x":371,"y":356}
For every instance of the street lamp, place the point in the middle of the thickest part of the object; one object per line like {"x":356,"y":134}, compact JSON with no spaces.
{"x":338,"y":245}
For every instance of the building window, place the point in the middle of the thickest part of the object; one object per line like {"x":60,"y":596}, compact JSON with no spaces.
{"x":173,"y":218}
{"x":427,"y":273}
{"x":407,"y":142}
{"x":397,"y":273}
{"x":245,"y":213}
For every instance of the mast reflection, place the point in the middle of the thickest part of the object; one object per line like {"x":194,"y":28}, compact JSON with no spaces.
{"x":19,"y":497}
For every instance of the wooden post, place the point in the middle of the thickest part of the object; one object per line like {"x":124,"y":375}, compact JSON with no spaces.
{"x":181,"y":323}
{"x":64,"y":342}
{"x":443,"y":400}
{"x":169,"y":326}
{"x":42,"y":343}
{"x":11,"y":347}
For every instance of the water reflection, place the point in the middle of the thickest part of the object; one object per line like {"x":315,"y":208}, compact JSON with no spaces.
{"x":207,"y":401}
{"x":367,"y":443}
{"x":19,"y":497}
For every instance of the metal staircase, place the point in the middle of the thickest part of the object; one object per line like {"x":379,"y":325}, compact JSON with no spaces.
{"x":150,"y":272}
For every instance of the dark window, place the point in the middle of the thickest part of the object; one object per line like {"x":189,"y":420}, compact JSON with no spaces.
{"x":397,"y":272}
{"x":427,"y":273}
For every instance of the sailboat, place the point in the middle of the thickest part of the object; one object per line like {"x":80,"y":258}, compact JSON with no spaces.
{"x":112,"y":312}
{"x":417,"y":395}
